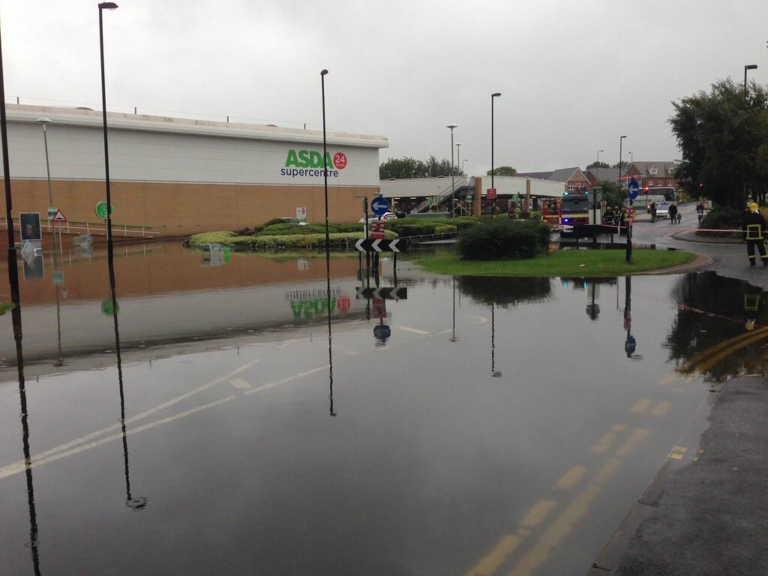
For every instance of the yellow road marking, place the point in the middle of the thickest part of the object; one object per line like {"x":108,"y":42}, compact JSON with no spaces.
{"x":538,"y":512}
{"x":668,"y":379}
{"x":713,"y":355}
{"x":637,"y":436}
{"x":570,"y":478}
{"x":606,"y":440}
{"x":640,"y":406}
{"x":677,"y":452}
{"x":564,"y":523}
{"x":496,"y":558}
{"x":412,"y":330}
{"x":661,"y":408}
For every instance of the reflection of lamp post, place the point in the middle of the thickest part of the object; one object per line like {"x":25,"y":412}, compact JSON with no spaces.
{"x":495,"y":373}
{"x":453,"y":337}
{"x":630,"y":344}
{"x":106,"y":6}
{"x":593,"y":309}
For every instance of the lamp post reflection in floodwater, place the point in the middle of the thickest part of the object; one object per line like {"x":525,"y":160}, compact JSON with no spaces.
{"x":138,"y":503}
{"x":495,"y":373}
{"x":630,"y":344}
{"x":13,"y":279}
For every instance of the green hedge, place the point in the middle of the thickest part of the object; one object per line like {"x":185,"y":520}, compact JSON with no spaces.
{"x":504,"y":239}
{"x":422,"y":227}
{"x":278,"y":242}
{"x":723,"y":219}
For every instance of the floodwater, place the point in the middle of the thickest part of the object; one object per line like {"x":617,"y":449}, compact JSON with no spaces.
{"x":216,"y":425}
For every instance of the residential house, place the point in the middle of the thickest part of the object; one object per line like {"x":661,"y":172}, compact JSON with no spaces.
{"x":652,"y":174}
{"x":572,"y":178}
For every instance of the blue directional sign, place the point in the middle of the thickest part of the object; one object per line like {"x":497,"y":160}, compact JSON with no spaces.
{"x":634,"y":188}
{"x":379,"y":205}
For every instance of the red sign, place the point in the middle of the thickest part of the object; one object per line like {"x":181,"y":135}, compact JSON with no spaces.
{"x":491,"y":194}
{"x":59,"y":216}
{"x":340,"y":160}
{"x":377,"y":230}
{"x":343,"y":303}
{"x":379,"y":308}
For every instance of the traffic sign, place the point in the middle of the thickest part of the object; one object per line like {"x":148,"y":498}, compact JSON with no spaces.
{"x":379,"y":308}
{"x":634,"y":188}
{"x":101,"y":210}
{"x":490,"y":194}
{"x":379,"y":205}
{"x":58,"y":277}
{"x":377,"y":229}
{"x":301,"y":213}
{"x":59,"y":216}
{"x":107,"y":308}
{"x":381,"y":293}
{"x":364,"y":245}
{"x":343,"y":303}
{"x":51,"y":212}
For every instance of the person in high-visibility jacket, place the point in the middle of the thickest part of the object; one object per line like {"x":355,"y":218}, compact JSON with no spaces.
{"x":755,"y":228}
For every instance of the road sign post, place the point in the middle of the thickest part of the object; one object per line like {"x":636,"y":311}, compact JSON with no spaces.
{"x":379,"y":206}
{"x":101,"y":210}
{"x":377,"y":230}
{"x":634,"y":189}
{"x":366,"y":245}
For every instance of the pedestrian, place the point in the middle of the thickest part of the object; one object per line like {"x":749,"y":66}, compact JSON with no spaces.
{"x":653,"y":211}
{"x":755,"y":228}
{"x":700,"y":210}
{"x":673,"y":213}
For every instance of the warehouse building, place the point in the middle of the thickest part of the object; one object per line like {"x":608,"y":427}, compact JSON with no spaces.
{"x":182,"y":176}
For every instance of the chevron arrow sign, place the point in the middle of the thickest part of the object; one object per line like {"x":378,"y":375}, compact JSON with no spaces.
{"x":366,"y":245}
{"x":381,"y":293}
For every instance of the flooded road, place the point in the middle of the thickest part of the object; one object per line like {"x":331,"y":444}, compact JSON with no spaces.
{"x":471,"y":426}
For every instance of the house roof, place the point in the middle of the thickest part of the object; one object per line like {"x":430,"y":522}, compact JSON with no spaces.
{"x":610,"y":174}
{"x":664,"y":168}
{"x":559,"y":175}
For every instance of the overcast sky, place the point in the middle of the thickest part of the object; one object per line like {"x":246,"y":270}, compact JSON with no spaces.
{"x":574,"y":74}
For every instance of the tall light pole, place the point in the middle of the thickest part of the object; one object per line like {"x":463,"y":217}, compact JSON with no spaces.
{"x":453,"y":170}
{"x":325,"y":177}
{"x":493,"y":206}
{"x":598,"y":157}
{"x":106,"y":6}
{"x":748,"y":67}
{"x":621,"y":141}
{"x":464,"y":162}
{"x":45,"y":122}
{"x":458,"y":154}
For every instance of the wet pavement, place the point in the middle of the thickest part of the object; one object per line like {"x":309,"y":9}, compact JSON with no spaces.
{"x":472,"y":426}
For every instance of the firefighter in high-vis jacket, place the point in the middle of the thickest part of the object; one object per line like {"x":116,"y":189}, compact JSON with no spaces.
{"x":755,"y":228}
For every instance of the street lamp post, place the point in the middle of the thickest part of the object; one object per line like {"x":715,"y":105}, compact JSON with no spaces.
{"x":464,"y":162}
{"x":493,"y":206}
{"x":453,"y":170}
{"x":621,"y":141}
{"x":631,"y":158}
{"x":45,"y":122}
{"x":748,"y":67}
{"x":598,"y":158}
{"x":106,"y":6}
{"x":458,"y":154}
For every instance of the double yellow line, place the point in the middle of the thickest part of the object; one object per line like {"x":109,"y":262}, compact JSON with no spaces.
{"x":710,"y":357}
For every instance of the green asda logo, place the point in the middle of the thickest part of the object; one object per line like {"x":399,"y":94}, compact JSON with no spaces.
{"x":310,"y":163}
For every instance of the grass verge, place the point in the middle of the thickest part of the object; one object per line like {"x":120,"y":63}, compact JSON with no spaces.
{"x":579,"y":263}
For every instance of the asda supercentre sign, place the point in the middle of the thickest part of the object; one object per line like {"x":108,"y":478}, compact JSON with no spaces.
{"x":310,"y":163}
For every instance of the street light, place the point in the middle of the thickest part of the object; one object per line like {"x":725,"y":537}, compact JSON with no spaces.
{"x":106,"y":6}
{"x":621,"y":141}
{"x":748,"y":67}
{"x":493,"y":206}
{"x":325,"y":177}
{"x":453,"y":171}
{"x":631,"y":158}
{"x":598,"y":157}
{"x":458,"y":154}
{"x":464,"y":162}
{"x":45,"y":122}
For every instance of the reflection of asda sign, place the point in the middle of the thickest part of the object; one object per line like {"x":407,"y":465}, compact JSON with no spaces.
{"x":310,"y":163}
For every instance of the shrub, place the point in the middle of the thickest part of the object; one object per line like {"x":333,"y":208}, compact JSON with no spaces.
{"x":447,"y":229}
{"x":722,"y":218}
{"x":504,"y":239}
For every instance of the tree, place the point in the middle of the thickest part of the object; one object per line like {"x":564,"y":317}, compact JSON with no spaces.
{"x":623,"y":165}
{"x":611,"y":193}
{"x":503,"y":171}
{"x":598,"y":165}
{"x":724,"y":142}
{"x":411,"y":168}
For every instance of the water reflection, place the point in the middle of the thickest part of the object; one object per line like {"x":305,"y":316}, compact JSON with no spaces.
{"x":13,"y":278}
{"x":505,"y":291}
{"x":630,"y":343}
{"x":138,"y":503}
{"x":720,"y":328}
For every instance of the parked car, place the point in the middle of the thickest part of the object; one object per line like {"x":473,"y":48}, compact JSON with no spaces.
{"x":662,"y":211}
{"x":386,"y":216}
{"x":296,"y":221}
